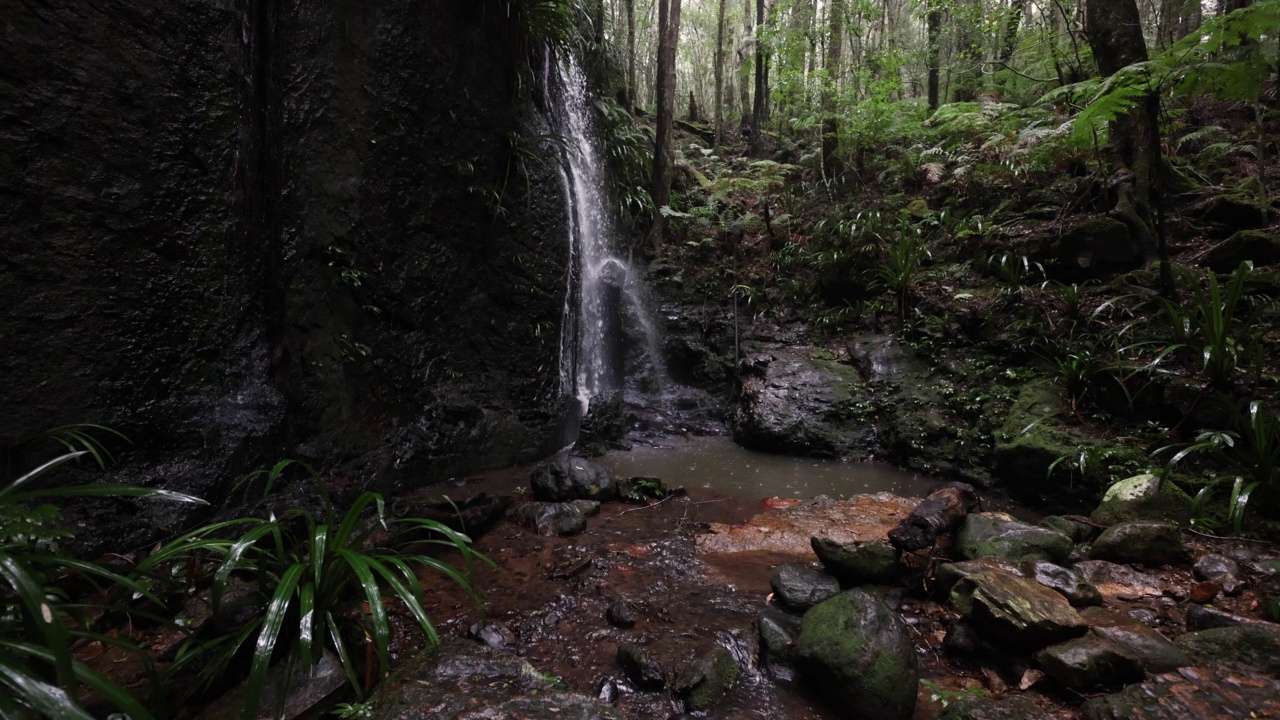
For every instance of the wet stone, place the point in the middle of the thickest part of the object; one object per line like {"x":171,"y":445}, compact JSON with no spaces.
{"x":572,"y":478}
{"x":1204,"y":592}
{"x":1016,"y":612}
{"x":495,"y":635}
{"x":1119,"y":581}
{"x":1000,"y":536}
{"x":707,"y":679}
{"x":800,"y":587}
{"x":1207,"y":618}
{"x":1219,"y":569}
{"x":778,"y":633}
{"x":1143,"y":497}
{"x":1190,"y":692}
{"x":620,"y":615}
{"x":641,"y":669}
{"x":1142,"y":543}
{"x":1087,"y":663}
{"x":1252,"y":645}
{"x":1153,"y":651}
{"x":1069,"y":583}
{"x":948,"y":574}
{"x":563,"y":519}
{"x":859,"y":653}
{"x":859,"y":562}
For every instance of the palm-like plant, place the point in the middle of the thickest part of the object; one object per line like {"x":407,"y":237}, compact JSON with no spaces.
{"x":309,"y":571}
{"x":38,"y":673}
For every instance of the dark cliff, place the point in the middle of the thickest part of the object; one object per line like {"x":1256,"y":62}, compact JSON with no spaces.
{"x":239,"y":231}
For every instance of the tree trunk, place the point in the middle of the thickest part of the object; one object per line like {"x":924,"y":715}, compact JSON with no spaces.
{"x":969,"y":52}
{"x":664,"y":93}
{"x":1114,"y":30}
{"x":1012,"y":22}
{"x":1229,"y":6}
{"x":744,"y":58}
{"x":933,"y":20}
{"x":719,"y":99}
{"x":757,"y":110}
{"x":631,"y":54}
{"x":831,"y":165}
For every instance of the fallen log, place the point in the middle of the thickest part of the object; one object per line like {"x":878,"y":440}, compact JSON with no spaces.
{"x":937,"y":515}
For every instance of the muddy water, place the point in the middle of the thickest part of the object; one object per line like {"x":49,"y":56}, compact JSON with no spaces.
{"x":681,"y":567}
{"x":718,"y":465}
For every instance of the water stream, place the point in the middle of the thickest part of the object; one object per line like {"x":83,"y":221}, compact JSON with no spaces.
{"x":608,"y":339}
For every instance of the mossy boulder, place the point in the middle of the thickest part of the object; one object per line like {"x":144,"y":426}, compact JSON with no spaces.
{"x":997,"y":535}
{"x":1200,"y":692}
{"x":1259,"y":247}
{"x":572,"y":478}
{"x":1143,"y":497}
{"x":1251,"y":645}
{"x":1141,"y":542}
{"x":861,"y":562}
{"x":707,"y":678}
{"x":1229,"y":214}
{"x":860,"y":655}
{"x":1098,"y":247}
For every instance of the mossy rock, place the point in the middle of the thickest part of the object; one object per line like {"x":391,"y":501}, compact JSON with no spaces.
{"x":707,"y":678}
{"x":860,"y":655}
{"x":1098,"y":247}
{"x":996,"y":535}
{"x":1143,"y":497}
{"x":1228,"y":214}
{"x":1259,"y":247}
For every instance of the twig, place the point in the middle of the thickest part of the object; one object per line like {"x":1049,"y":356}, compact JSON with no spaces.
{"x":1220,"y":537}
{"x":646,"y":507}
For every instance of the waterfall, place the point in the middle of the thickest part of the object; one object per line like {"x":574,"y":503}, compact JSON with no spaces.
{"x":608,"y":340}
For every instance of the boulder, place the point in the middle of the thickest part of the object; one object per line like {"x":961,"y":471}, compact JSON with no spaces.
{"x":1190,"y":692}
{"x":1088,"y":663}
{"x":1141,"y":542}
{"x":1143,"y":497}
{"x":1256,"y":246}
{"x":801,"y":401}
{"x":1096,"y":248}
{"x":1252,"y":645}
{"x":873,"y":562}
{"x":1229,"y":214}
{"x":860,"y":655}
{"x":1219,"y":569}
{"x":550,"y":519}
{"x":1148,"y":647}
{"x":572,"y":478}
{"x":1016,"y":612}
{"x":707,"y":678}
{"x":1200,"y":617}
{"x":1000,"y":536}
{"x":800,"y":587}
{"x":1069,"y":583}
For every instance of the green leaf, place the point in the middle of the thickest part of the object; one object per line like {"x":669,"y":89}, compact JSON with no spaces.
{"x":268,"y":636}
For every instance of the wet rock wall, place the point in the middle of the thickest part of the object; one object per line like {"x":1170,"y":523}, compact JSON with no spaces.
{"x":238,"y":230}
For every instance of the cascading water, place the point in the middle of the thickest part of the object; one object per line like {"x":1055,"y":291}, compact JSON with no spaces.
{"x":606,"y":319}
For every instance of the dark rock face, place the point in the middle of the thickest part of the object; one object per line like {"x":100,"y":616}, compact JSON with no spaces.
{"x":1251,"y":645}
{"x":873,"y":562}
{"x":1066,"y":581}
{"x":1087,"y":663}
{"x":860,"y":655}
{"x":1256,"y":246}
{"x":1141,"y":542}
{"x":640,"y":668}
{"x":778,"y":633}
{"x":238,"y":231}
{"x":707,"y":678}
{"x":1000,"y":536}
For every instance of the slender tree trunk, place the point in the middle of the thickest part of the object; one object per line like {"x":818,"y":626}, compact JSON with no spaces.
{"x":831,"y":165}
{"x":757,"y":110}
{"x":631,"y":53}
{"x":1192,"y":16}
{"x":744,"y":60}
{"x":933,"y":22}
{"x":719,"y":99}
{"x":664,"y":92}
{"x":1012,"y":22}
{"x":1229,"y":6}
{"x":1114,"y":30}
{"x":969,"y":52}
